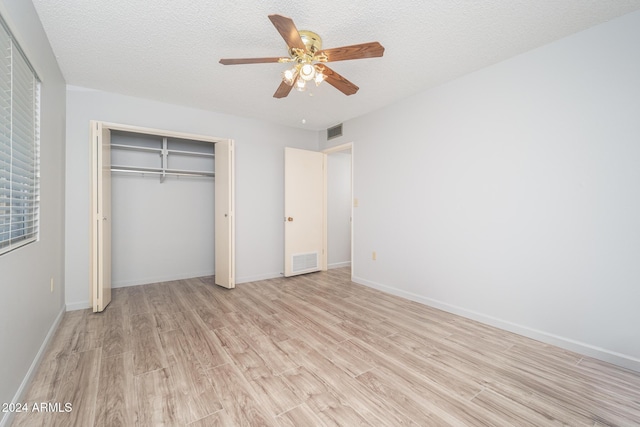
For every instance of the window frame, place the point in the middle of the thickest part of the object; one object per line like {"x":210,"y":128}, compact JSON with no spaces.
{"x":20,"y":91}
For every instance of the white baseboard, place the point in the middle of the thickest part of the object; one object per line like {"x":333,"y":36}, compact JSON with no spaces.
{"x":80,"y":305}
{"x":247,"y":279}
{"x":339,"y":265}
{"x":83,"y":305}
{"x":603,"y":354}
{"x":159,"y":279}
{"x":8,"y":416}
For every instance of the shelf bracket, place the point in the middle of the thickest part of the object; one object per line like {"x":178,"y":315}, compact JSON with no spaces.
{"x":165,"y":161}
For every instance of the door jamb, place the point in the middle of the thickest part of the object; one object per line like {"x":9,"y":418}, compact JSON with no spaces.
{"x":337,"y":148}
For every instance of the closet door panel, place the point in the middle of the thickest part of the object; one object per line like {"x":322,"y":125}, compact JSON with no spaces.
{"x":224,"y":215}
{"x":100,"y":217}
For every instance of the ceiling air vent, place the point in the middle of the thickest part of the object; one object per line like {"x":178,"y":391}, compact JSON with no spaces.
{"x":334,"y":132}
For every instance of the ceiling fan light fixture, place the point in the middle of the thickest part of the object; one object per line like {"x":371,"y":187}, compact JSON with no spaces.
{"x":306,"y":53}
{"x":307,"y":72}
{"x":289,"y":76}
{"x":319,"y":77}
{"x":300,"y":85}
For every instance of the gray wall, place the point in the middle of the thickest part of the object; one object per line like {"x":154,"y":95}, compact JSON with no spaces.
{"x":517,"y":189}
{"x":259,"y":178}
{"x":28,"y":309}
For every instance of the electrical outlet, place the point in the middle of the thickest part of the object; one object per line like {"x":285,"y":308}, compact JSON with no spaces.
{"x":374,"y":255}
{"x":52,"y":284}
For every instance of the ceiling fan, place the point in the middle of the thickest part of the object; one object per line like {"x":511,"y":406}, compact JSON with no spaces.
{"x":308,"y":59}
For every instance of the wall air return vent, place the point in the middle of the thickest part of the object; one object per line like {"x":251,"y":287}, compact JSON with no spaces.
{"x":304,"y":262}
{"x":334,"y":132}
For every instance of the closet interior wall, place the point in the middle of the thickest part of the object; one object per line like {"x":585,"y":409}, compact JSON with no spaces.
{"x":162,"y":226}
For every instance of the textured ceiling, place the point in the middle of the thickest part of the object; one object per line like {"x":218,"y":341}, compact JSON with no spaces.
{"x":168,"y":50}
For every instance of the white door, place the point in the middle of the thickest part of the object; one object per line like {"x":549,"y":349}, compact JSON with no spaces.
{"x":100,"y":217}
{"x":304,"y":209}
{"x":224,"y":215}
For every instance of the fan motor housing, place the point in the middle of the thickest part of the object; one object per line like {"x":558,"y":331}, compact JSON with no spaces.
{"x":311,"y":40}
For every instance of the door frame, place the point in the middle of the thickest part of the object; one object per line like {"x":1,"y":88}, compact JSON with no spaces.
{"x":108,"y":127}
{"x":336,"y":149}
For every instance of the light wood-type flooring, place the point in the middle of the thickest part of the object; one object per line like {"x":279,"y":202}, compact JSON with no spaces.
{"x":314,"y":350}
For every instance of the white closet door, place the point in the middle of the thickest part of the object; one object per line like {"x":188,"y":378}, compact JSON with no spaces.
{"x":304,"y":192}
{"x":100,"y":217}
{"x":224,"y":215}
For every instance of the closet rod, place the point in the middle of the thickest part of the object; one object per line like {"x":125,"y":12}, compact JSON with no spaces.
{"x":190,"y":153}
{"x":136,"y":148}
{"x":155,"y":172}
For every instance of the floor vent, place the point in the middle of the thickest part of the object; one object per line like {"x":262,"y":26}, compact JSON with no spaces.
{"x":334,"y":132}
{"x":304,"y":262}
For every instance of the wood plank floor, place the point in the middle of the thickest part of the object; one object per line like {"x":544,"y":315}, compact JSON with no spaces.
{"x":314,"y":350}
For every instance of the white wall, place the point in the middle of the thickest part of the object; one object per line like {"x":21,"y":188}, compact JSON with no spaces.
{"x":28,"y":309}
{"x":339,"y":209}
{"x":161,"y":231}
{"x":517,"y":189}
{"x":259,"y":177}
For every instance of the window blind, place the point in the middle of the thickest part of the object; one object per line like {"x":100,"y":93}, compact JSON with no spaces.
{"x":19,"y":146}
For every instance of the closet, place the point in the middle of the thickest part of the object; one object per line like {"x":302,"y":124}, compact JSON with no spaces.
{"x":136,"y":161}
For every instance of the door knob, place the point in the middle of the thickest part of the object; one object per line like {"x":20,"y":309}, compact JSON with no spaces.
{"x":290,"y":219}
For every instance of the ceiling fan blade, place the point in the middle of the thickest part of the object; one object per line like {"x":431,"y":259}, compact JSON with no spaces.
{"x":356,"y":51}
{"x":236,"y":61}
{"x":339,"y":82}
{"x":283,"y":90}
{"x":288,"y":31}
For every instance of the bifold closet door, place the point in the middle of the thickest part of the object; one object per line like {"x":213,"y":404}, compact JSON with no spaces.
{"x":100,"y":267}
{"x":224,"y":215}
{"x":100,"y":216}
